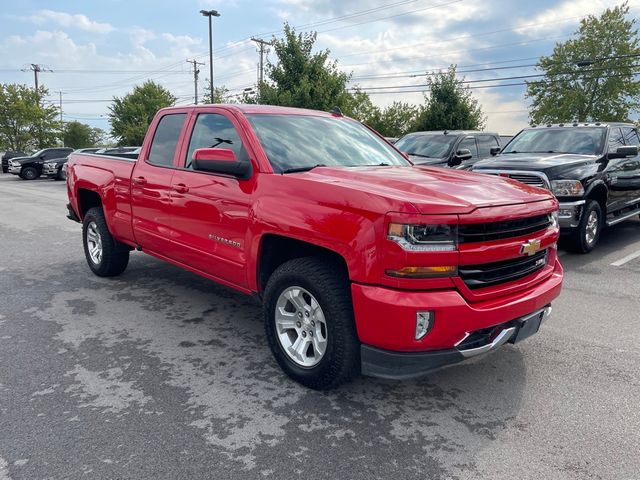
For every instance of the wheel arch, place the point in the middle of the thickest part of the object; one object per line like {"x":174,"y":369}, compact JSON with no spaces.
{"x":274,"y":250}
{"x":600,"y":193}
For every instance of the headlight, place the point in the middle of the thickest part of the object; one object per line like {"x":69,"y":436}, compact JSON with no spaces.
{"x":567,"y":188}
{"x":424,"y":238}
{"x":553,"y":217}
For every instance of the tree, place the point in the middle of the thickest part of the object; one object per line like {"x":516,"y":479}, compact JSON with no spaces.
{"x":449,"y":105}
{"x":25,"y":123}
{"x":301,"y":78}
{"x":590,"y":77}
{"x":220,"y":94}
{"x":395,"y":120}
{"x":81,"y":135}
{"x":131,"y":115}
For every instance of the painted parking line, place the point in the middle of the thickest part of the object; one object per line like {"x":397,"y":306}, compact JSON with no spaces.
{"x":628,"y":258}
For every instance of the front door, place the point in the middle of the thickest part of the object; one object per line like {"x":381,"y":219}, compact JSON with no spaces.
{"x":616,"y":170}
{"x":151,"y":187}
{"x":211,"y":211}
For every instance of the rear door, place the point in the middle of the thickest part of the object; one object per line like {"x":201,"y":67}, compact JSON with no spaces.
{"x":211,"y":211}
{"x":151,"y":186}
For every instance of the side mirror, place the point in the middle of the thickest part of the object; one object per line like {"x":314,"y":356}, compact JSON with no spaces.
{"x":494,"y":151}
{"x":220,"y":160}
{"x":462,"y":155}
{"x":623,"y":152}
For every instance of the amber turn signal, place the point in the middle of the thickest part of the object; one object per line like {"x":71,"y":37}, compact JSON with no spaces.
{"x":424,"y":272}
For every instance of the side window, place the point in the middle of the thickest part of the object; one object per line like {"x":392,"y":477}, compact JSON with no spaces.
{"x":469,"y":143}
{"x":165,"y":140}
{"x":213,"y":130}
{"x":485,"y":143}
{"x":615,"y":139}
{"x":49,"y":154}
{"x":630,"y":136}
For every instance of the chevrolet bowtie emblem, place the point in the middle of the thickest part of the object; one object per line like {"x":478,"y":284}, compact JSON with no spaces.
{"x":529,"y":248}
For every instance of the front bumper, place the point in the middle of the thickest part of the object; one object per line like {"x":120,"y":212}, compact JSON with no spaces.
{"x":15,"y":169}
{"x":386,"y":322}
{"x":569,"y":214}
{"x":405,"y":365}
{"x":49,"y":170}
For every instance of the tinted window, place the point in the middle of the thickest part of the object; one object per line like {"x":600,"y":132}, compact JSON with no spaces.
{"x":427,"y":146}
{"x":615,"y":139}
{"x":165,"y":140}
{"x":582,"y":140}
{"x":470,"y":144}
{"x":630,"y":136}
{"x":303,"y":141}
{"x":485,"y":144}
{"x":213,"y":130}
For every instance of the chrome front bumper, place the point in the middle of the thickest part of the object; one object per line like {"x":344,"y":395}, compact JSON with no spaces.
{"x":49,"y":170}
{"x":570,"y":213}
{"x":15,"y":169}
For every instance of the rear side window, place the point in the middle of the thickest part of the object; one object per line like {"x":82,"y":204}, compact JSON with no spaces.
{"x":485,"y":144}
{"x":470,"y":144}
{"x":630,"y":136}
{"x":165,"y":140}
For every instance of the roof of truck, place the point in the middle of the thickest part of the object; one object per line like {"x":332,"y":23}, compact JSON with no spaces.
{"x":584,"y":124}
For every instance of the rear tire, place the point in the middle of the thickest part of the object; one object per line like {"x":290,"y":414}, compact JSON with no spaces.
{"x":29,"y":173}
{"x":586,"y":235}
{"x":105,"y":256}
{"x":321,"y":310}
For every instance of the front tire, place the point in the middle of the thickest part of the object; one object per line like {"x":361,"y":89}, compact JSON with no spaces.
{"x":309,"y":322}
{"x":586,"y":235}
{"x":105,"y":256}
{"x":29,"y":173}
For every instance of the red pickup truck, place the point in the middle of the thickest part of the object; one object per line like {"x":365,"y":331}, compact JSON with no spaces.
{"x":364,"y":262}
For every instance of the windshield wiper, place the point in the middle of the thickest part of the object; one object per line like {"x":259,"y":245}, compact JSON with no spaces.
{"x":419,"y":155}
{"x":302,"y":169}
{"x":382,"y":164}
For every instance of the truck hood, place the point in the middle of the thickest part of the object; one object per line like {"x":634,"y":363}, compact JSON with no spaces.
{"x":22,"y":160}
{"x":540,"y":162}
{"x":431,"y":190}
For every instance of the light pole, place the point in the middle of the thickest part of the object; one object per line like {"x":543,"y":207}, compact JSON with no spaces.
{"x":210,"y":13}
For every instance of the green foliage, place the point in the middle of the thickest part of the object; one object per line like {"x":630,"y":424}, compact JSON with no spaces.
{"x":220,"y":94}
{"x":25,"y":123}
{"x":81,"y":135}
{"x":449,"y":105}
{"x":394,"y":120}
{"x":131,"y":115}
{"x":590,"y":77}
{"x":301,"y":78}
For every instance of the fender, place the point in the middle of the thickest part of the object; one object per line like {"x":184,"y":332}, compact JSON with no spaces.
{"x":101,"y":182}
{"x":351,"y":234}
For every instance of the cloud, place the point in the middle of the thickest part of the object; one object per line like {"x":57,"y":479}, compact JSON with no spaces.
{"x":70,"y":20}
{"x":556,"y":18}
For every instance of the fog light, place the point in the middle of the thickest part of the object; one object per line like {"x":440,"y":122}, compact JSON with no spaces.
{"x":424,"y":322}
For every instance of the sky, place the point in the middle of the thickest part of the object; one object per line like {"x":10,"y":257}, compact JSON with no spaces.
{"x":92,"y":51}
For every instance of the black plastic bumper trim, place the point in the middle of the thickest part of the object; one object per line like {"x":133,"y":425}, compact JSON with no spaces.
{"x":72,"y":215}
{"x":405,"y":365}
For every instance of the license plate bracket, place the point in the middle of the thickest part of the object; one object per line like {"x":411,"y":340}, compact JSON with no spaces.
{"x":528,"y":326}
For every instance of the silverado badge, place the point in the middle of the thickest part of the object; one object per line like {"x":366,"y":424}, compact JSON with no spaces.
{"x":529,"y":248}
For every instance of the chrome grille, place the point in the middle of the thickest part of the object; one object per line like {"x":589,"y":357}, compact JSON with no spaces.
{"x":535,"y":179}
{"x":529,"y":179}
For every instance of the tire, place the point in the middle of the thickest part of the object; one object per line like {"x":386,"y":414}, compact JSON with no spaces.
{"x":29,"y":173}
{"x":113,"y":256}
{"x":60,"y":175}
{"x":328,"y":284}
{"x":586,"y":235}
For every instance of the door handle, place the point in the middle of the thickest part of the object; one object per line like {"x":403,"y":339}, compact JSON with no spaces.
{"x":140,"y":180}
{"x":181,"y":188}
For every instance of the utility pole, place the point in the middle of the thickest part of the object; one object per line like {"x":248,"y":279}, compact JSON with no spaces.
{"x":262,"y":46}
{"x":196,"y":72}
{"x":61,"y":124}
{"x":36,"y":68}
{"x":209,"y":14}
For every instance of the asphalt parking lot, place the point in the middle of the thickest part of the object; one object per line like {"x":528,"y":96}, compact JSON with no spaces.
{"x":161,"y":374}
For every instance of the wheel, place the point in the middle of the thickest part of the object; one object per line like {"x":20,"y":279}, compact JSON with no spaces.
{"x":586,"y":235}
{"x":29,"y":173}
{"x":105,"y":255}
{"x":61,"y":175}
{"x":309,"y":323}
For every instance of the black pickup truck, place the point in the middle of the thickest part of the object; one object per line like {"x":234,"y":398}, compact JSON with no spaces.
{"x":592,"y":168}
{"x":30,"y":168}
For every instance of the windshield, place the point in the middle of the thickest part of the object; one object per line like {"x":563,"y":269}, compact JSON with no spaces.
{"x":428,"y":146}
{"x":297,"y":142}
{"x":583,"y":140}
{"x":38,"y":153}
